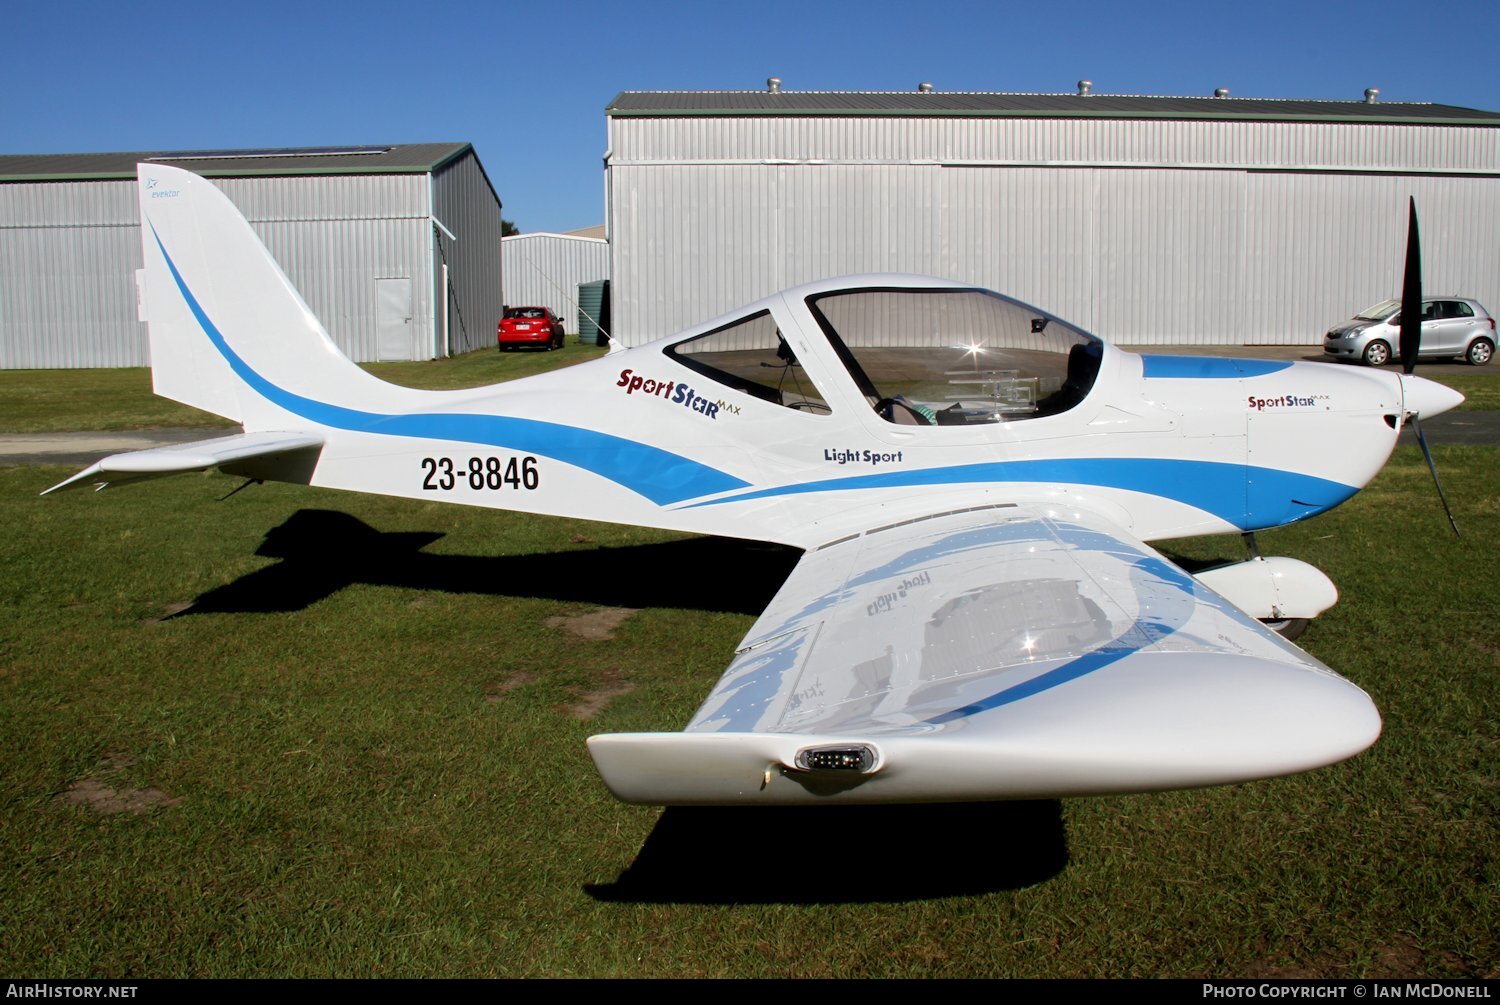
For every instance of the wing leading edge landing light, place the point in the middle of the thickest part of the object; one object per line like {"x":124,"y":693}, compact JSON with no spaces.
{"x":994,"y":653}
{"x":975,"y":617}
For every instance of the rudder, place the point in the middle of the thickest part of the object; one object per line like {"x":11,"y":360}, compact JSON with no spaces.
{"x":229,"y":332}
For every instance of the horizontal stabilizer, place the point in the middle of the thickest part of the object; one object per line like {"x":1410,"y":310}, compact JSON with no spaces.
{"x":278,"y":456}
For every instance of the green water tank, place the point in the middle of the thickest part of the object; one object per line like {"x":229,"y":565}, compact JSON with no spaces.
{"x":593,"y":312}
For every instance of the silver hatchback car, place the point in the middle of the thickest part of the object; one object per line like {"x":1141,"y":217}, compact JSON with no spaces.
{"x":1451,"y":326}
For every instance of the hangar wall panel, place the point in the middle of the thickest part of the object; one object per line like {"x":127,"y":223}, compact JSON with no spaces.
{"x":1041,"y":141}
{"x":1166,"y":256}
{"x":69,"y":252}
{"x":1321,"y":248}
{"x":464,"y":202}
{"x":63,"y":295}
{"x":69,"y":204}
{"x":335,"y":236}
{"x":336,"y":266}
{"x":328,"y":197}
{"x":544,"y":270}
{"x":1185,"y":232}
{"x":1020,"y":231}
{"x":700,"y":241}
{"x":829,"y":230}
{"x":704,"y":240}
{"x":68,"y":255}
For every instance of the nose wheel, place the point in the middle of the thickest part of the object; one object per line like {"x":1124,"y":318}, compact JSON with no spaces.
{"x":1290,"y":629}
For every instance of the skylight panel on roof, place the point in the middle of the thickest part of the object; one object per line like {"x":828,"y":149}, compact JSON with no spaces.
{"x":229,"y":155}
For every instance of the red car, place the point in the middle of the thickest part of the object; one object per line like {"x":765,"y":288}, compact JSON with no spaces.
{"x":529,"y":326}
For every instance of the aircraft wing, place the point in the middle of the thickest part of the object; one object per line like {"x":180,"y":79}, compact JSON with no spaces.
{"x":994,"y":653}
{"x":255,"y":455}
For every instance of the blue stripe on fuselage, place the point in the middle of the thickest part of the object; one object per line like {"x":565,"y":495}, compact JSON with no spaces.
{"x":660,"y":475}
{"x":1208,"y":367}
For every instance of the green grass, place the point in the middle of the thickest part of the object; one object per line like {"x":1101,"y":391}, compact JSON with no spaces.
{"x":367,"y":730}
{"x":54,"y":401}
{"x":59,"y":401}
{"x":485,"y":366}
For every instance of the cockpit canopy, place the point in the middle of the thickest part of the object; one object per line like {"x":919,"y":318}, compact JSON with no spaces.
{"x":919,"y":356}
{"x":956,"y":357}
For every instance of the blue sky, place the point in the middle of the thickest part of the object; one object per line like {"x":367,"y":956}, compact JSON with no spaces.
{"x":527,"y":83}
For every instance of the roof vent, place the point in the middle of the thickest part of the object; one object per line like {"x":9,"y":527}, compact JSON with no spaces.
{"x":773,"y":84}
{"x":1372,"y":94}
{"x":925,"y":87}
{"x":1221,"y":92}
{"x":1085,"y":86}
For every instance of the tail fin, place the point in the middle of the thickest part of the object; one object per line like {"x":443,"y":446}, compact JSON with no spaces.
{"x":229,"y":332}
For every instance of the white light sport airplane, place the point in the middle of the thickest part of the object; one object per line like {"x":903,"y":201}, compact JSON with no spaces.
{"x":976,"y":615}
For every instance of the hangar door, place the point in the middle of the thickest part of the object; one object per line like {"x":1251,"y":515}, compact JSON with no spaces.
{"x":393,"y":318}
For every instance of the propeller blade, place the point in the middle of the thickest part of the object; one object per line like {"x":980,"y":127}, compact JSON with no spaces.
{"x":1411,"y":296}
{"x":1416,"y":425}
{"x":1411,"y":343}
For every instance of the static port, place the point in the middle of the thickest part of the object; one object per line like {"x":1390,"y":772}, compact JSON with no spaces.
{"x":856,"y":758}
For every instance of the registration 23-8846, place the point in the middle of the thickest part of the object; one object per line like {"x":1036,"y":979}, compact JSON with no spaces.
{"x":480,"y":473}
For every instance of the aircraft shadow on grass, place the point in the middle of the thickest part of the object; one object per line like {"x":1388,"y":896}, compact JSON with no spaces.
{"x":324,"y":551}
{"x":842,"y":854}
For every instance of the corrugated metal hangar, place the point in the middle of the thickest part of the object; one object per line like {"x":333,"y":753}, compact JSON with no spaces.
{"x":371,"y":236}
{"x":1212,"y":220}
{"x":545,"y":270}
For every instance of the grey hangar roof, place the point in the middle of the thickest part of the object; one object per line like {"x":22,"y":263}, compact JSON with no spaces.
{"x":396,"y":158}
{"x":966,"y":104}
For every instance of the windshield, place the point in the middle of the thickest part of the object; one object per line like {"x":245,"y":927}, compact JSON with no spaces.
{"x":957,"y":357}
{"x":750,"y":356}
{"x":524,"y":312}
{"x":1379,"y":312}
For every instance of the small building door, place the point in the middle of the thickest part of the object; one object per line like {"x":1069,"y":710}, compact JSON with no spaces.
{"x":393,"y":316}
